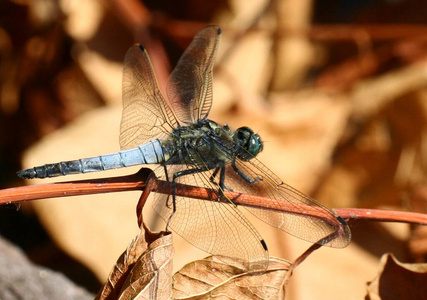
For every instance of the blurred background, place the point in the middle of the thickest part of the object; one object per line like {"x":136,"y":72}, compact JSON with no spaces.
{"x":336,"y":89}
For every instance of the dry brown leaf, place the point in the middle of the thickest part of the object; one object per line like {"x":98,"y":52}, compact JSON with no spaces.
{"x":398,"y":280}
{"x":151,"y":277}
{"x":143,"y":271}
{"x":225,"y":278}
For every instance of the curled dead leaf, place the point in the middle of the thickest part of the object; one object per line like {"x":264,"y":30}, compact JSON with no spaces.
{"x":218,"y":276}
{"x":398,"y":280}
{"x":143,"y":271}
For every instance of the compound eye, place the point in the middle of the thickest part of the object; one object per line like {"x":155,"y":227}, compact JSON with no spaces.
{"x":255,"y":145}
{"x":249,"y":141}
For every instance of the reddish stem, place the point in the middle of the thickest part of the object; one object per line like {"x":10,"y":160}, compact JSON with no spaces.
{"x":138,"y":181}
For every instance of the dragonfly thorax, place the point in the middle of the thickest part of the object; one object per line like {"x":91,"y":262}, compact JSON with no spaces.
{"x":207,"y":143}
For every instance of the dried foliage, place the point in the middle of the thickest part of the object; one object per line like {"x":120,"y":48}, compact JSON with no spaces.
{"x":398,"y":280}
{"x":216,"y":277}
{"x":143,"y":271}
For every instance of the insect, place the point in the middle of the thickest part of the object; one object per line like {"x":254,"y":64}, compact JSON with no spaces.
{"x":190,"y":149}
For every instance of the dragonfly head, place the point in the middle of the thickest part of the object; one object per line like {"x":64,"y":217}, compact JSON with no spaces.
{"x":250,"y":143}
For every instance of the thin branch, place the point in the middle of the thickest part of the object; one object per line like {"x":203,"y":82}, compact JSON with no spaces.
{"x":133,"y":182}
{"x":380,"y":215}
{"x":138,"y":181}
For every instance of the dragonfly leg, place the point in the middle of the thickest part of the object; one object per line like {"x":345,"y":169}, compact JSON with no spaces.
{"x":212,"y":178}
{"x":243,"y":175}
{"x":167,"y":200}
{"x":175,"y":176}
{"x":167,"y":179}
{"x":221,"y":183}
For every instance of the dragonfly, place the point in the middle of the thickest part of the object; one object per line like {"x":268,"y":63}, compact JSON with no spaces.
{"x":192,"y":150}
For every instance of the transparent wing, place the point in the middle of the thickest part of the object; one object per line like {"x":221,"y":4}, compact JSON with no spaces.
{"x":146,"y":114}
{"x":215,"y":227}
{"x":304,"y":217}
{"x":190,"y":84}
{"x":312,"y":227}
